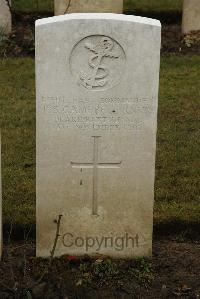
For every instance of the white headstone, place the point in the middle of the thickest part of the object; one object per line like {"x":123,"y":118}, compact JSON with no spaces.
{"x":191,"y":16}
{"x":5,"y":17}
{"x":90,"y":6}
{"x":97,"y":81}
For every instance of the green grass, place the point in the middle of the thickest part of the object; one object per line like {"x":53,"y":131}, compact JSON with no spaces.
{"x":17,"y":115}
{"x":129,"y":5}
{"x":32,"y":5}
{"x":177,"y":176}
{"x":152,"y":5}
{"x":178,"y":155}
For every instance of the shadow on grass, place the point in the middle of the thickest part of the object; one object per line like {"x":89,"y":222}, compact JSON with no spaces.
{"x":179,"y":229}
{"x":165,"y":17}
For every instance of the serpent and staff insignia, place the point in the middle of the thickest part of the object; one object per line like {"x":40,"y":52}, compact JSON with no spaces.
{"x":99,"y":73}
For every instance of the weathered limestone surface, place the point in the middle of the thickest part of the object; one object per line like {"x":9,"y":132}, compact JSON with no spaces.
{"x":89,"y":6}
{"x":191,"y":16}
{"x":5,"y":17}
{"x":97,"y":81}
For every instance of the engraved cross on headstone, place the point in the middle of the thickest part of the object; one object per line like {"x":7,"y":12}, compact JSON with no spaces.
{"x":95,"y":165}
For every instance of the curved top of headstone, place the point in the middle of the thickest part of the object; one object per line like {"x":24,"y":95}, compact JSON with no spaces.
{"x":98,"y":16}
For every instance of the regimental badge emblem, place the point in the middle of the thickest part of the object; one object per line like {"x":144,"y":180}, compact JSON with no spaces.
{"x":99,"y":73}
{"x":97,"y":62}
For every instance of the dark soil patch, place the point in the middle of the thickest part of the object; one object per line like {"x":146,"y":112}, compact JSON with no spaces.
{"x":173,"y":272}
{"x":21,"y":40}
{"x":173,"y":41}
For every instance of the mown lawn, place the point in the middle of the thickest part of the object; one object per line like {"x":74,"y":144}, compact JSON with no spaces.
{"x":177,"y":167}
{"x":153,"y":5}
{"x":17,"y":116}
{"x":178,"y":155}
{"x":129,"y":5}
{"x":32,"y":5}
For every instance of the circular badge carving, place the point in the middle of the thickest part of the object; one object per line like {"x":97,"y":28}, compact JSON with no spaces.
{"x":97,"y":62}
